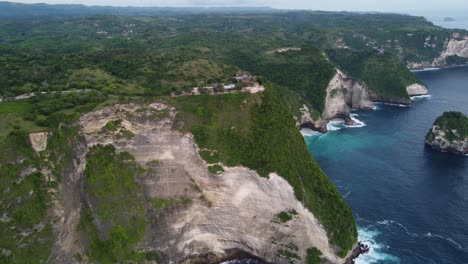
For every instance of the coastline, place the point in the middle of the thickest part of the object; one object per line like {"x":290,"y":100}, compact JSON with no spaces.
{"x":438,"y":68}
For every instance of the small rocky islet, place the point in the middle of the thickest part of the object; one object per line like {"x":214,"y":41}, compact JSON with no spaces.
{"x":449,"y":133}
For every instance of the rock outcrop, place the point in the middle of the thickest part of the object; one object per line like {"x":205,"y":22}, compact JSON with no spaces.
{"x":457,"y":47}
{"x":343,"y":94}
{"x":417,"y":89}
{"x":230,"y":212}
{"x":449,"y":133}
{"x":38,"y":141}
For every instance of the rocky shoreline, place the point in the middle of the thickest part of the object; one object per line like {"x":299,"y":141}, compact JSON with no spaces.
{"x":360,"y":249}
{"x":430,"y":67}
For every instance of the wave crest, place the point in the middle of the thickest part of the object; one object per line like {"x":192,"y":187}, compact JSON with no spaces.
{"x":377,"y":248}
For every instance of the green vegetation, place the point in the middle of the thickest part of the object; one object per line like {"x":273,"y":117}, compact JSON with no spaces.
{"x":456,"y":60}
{"x":286,"y":216}
{"x":111,"y":187}
{"x":25,"y":228}
{"x":61,"y":148}
{"x":215,"y":169}
{"x":13,"y":116}
{"x":450,"y":122}
{"x":162,"y":203}
{"x":112,"y":126}
{"x":258,"y":132}
{"x":288,"y":255}
{"x":25,"y":203}
{"x":209,"y":156}
{"x":46,"y":111}
{"x":78,"y":63}
{"x":384,"y":74}
{"x":306,"y":72}
{"x":129,"y":55}
{"x":314,"y":256}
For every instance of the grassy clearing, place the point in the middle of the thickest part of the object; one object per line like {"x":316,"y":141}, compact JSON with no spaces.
{"x":12,"y":117}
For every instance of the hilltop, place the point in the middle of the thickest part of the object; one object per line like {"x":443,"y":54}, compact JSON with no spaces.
{"x":449,"y":133}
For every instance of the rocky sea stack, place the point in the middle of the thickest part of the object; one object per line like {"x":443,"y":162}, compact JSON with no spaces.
{"x":449,"y":133}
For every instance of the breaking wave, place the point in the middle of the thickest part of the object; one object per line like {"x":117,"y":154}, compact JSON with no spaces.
{"x":420,"y":97}
{"x":306,"y":132}
{"x":335,"y":125}
{"x":426,"y":69}
{"x":357,"y":123}
{"x":377,"y":249}
{"x":399,"y":105}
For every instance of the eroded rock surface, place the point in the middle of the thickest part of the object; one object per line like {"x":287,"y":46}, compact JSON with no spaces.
{"x":457,"y":47}
{"x":233,"y":210}
{"x":343,"y":94}
{"x":416,"y":89}
{"x":38,"y":141}
{"x":438,"y":139}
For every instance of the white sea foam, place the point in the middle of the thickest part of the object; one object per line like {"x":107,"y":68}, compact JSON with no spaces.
{"x":377,"y":248}
{"x":357,"y":122}
{"x":399,"y":105}
{"x":420,"y":97}
{"x":244,"y":261}
{"x":426,"y":69}
{"x":335,"y":125}
{"x":306,"y":132}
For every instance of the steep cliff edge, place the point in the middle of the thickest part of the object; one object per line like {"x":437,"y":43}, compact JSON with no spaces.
{"x":232,"y":210}
{"x":343,"y":94}
{"x":417,"y":89}
{"x":186,"y":201}
{"x":449,"y":133}
{"x":454,"y":53}
{"x":387,"y":80}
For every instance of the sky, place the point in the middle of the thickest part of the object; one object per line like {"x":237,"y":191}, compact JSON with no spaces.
{"x":336,"y":5}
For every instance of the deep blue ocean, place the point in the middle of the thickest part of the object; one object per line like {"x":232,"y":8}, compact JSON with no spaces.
{"x":410,"y":202}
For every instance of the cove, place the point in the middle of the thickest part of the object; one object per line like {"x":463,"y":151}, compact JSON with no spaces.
{"x":410,"y":202}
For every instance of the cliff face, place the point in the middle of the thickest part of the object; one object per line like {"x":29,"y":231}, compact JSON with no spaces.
{"x":457,"y":45}
{"x":343,"y":94}
{"x":437,"y":139}
{"x":229,"y":212}
{"x":417,"y":89}
{"x":449,"y":133}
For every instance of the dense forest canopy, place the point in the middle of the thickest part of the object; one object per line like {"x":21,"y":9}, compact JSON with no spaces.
{"x":127,"y":54}
{"x":77,"y":58}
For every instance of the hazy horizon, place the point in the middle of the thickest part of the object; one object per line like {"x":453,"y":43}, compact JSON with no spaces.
{"x":329,"y":5}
